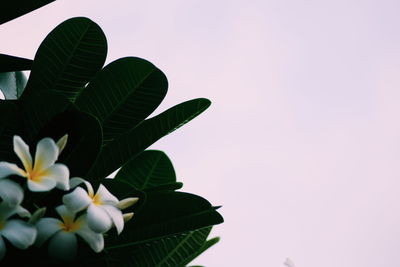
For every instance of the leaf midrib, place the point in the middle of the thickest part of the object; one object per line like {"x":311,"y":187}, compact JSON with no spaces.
{"x":165,"y":115}
{"x":147,"y":178}
{"x":154,"y":238}
{"x":125,"y":99}
{"x":71,"y":56}
{"x":179,"y":245}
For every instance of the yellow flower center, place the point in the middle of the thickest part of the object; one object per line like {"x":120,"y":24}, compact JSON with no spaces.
{"x":70,"y":225}
{"x":36,"y":174}
{"x":97,"y":200}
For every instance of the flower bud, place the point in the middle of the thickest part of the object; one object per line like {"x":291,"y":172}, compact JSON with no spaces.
{"x":127,"y":202}
{"x":61,"y":143}
{"x":37,"y":215}
{"x":127,"y":216}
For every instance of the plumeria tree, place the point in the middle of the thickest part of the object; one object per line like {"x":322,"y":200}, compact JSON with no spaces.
{"x":69,"y":126}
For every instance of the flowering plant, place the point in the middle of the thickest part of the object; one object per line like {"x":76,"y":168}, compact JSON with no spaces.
{"x":64,"y":131}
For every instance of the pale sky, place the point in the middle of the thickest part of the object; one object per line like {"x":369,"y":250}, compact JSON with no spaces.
{"x":302,"y":143}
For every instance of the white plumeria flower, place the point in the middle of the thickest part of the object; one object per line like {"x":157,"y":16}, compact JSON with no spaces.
{"x":11,"y":192}
{"x":21,"y":234}
{"x":44,"y":174}
{"x":62,"y":234}
{"x":102,"y":210}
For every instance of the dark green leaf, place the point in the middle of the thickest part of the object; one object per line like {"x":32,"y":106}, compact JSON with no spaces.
{"x":12,"y":84}
{"x":120,"y":188}
{"x":39,"y":256}
{"x":170,"y":186}
{"x":11,"y":9}
{"x":170,"y":251}
{"x":39,"y":109}
{"x":123,"y":94}
{"x":84,"y":139}
{"x":152,"y":168}
{"x":68,"y":57}
{"x":9,"y":126}
{"x":207,"y":244}
{"x":128,"y":145}
{"x":11,"y":63}
{"x":166,"y":213}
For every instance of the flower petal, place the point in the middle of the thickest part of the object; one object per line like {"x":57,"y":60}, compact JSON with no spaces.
{"x":22,"y":212}
{"x":60,"y":173}
{"x":7,"y":211}
{"x":44,"y":184}
{"x":106,"y":196}
{"x":116,"y":216}
{"x":7,"y":169}
{"x":46,"y":227}
{"x":77,"y":200}
{"x":63,"y":246}
{"x":22,"y":151}
{"x":98,"y":219}
{"x":19,"y":233}
{"x":65,"y":213}
{"x":11,"y":192}
{"x":95,"y":240}
{"x":46,"y":154}
{"x":74,"y":182}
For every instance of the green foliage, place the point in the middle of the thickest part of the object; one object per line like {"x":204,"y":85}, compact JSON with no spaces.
{"x":12,"y":63}
{"x":167,"y":213}
{"x":104,"y":112}
{"x":12,"y":84}
{"x":68,"y":58}
{"x":206,"y":245}
{"x":151,"y":169}
{"x":123,"y":94}
{"x":130,"y":144}
{"x":176,"y":250}
{"x":11,"y":9}
{"x":84,"y":139}
{"x":39,"y":109}
{"x":9,"y":126}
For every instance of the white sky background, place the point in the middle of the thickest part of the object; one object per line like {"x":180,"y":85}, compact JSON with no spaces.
{"x":302,"y":143}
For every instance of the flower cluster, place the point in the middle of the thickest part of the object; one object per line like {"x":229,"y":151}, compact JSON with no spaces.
{"x":82,"y":212}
